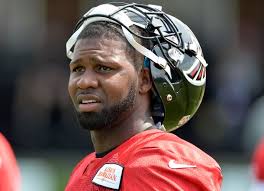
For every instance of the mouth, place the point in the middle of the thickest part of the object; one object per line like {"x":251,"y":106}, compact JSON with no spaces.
{"x":88,"y":102}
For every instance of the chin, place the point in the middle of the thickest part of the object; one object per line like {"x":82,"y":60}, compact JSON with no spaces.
{"x":93,"y":121}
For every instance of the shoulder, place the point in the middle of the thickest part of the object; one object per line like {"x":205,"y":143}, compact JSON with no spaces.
{"x":5,"y":147}
{"x":7,"y":155}
{"x":80,"y":167}
{"x":172,"y":162}
{"x":257,"y":161}
{"x":167,"y":145}
{"x":9,"y":171}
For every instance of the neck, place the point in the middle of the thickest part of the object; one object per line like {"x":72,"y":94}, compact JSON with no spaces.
{"x":108,"y":138}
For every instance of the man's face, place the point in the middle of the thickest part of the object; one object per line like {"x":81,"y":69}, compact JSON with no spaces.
{"x":103,"y":83}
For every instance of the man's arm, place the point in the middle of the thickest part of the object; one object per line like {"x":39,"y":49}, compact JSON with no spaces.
{"x":9,"y":171}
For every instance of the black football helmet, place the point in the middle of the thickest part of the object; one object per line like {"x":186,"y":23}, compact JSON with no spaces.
{"x":176,"y":61}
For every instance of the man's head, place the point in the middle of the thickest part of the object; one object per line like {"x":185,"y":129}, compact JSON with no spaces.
{"x":172,"y":54}
{"x":105,"y":78}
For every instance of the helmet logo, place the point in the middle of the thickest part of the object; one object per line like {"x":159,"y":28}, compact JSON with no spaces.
{"x":196,"y":75}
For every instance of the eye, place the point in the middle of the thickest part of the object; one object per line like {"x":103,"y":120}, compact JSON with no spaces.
{"x":103,"y":69}
{"x":78,"y":69}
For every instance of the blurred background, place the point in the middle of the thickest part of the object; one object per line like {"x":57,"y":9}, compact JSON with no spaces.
{"x":36,"y":113}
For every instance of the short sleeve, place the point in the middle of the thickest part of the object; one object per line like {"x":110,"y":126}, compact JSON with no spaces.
{"x":148,"y":169}
{"x":9,"y":171}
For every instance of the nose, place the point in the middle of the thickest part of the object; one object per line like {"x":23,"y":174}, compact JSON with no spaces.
{"x":88,"y":80}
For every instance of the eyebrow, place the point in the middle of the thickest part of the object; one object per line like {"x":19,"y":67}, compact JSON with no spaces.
{"x":75,"y":61}
{"x":93,"y":60}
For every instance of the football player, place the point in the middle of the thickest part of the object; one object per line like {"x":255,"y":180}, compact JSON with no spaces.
{"x":258,"y":167}
{"x":135,"y":73}
{"x":9,"y":171}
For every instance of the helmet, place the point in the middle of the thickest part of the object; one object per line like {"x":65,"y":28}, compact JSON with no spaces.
{"x":176,"y":61}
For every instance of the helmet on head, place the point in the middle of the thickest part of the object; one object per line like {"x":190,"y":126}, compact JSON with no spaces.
{"x":176,"y":61}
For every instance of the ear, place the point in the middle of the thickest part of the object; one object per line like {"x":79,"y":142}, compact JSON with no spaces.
{"x":145,"y":81}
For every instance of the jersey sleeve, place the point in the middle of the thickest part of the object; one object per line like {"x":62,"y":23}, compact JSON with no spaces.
{"x":78,"y":171}
{"x":9,"y":171}
{"x":257,"y":162}
{"x":171,"y":167}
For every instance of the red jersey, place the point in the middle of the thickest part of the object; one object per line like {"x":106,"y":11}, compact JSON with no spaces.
{"x":149,"y":161}
{"x":9,"y":172}
{"x":258,"y":161}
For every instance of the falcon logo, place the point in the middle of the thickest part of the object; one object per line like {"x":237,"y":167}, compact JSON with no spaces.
{"x":196,"y":75}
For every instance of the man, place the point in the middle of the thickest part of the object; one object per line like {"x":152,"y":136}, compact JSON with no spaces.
{"x":135,"y":72}
{"x":9,"y":172}
{"x":258,"y":167}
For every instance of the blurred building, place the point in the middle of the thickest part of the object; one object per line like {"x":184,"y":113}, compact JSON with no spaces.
{"x":34,"y":70}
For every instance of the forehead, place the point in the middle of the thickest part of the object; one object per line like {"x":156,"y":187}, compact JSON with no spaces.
{"x":100,"y":48}
{"x":108,"y":45}
{"x":100,"y":41}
